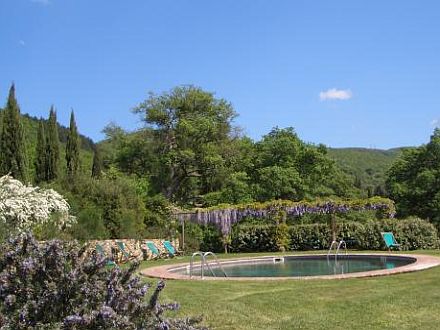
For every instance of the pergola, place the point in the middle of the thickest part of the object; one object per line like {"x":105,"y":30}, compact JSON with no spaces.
{"x":225,"y":216}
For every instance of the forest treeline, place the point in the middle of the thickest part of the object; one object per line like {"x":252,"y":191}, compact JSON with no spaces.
{"x":189,"y":154}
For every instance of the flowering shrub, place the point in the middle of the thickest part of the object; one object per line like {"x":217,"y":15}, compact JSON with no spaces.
{"x":54,"y":285}
{"x":23,"y":207}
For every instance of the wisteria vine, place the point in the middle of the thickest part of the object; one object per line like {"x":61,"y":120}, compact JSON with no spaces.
{"x":224,"y":216}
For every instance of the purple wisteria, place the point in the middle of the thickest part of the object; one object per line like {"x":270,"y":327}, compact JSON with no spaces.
{"x":224,"y":217}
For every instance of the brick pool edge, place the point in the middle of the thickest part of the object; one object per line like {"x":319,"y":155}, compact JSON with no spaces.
{"x":422,"y":262}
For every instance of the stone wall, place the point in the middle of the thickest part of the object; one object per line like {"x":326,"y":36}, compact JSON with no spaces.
{"x":136,"y":249}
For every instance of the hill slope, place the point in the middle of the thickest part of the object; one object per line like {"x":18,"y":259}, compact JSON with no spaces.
{"x":367,"y":165}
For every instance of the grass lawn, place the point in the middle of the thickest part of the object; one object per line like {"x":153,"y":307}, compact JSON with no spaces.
{"x":406,"y":301}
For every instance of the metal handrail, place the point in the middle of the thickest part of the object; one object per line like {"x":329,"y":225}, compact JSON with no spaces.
{"x":206,"y":254}
{"x":203,"y":263}
{"x":331,"y":246}
{"x":191,"y":263}
{"x":339,"y":246}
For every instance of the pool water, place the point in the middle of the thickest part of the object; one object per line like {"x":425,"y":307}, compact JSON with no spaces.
{"x":296,"y":266}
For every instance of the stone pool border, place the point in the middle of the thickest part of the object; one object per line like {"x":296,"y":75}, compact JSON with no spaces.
{"x":422,"y":262}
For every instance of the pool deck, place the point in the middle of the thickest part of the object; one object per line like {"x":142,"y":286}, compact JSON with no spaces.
{"x":422,"y":262}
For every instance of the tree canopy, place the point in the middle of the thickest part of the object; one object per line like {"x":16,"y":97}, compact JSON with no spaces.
{"x":189,"y":127}
{"x":414,"y":180}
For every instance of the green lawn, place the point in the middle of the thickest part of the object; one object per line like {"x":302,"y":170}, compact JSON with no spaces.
{"x":407,"y":301}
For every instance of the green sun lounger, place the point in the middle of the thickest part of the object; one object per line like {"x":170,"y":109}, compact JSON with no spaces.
{"x":121,"y":247}
{"x":153,"y":249}
{"x":100,"y":250}
{"x":170,"y":248}
{"x":390,"y":241}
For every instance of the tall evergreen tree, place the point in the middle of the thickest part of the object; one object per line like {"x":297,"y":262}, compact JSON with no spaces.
{"x":12,"y":145}
{"x":52,"y":147}
{"x":72,"y":148}
{"x":40,"y":155}
{"x":97,"y":164}
{"x":1,"y":119}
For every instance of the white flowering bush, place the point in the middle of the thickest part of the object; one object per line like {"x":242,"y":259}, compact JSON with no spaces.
{"x":23,"y":206}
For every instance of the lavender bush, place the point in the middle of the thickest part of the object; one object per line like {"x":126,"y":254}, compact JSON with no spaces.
{"x":54,"y":285}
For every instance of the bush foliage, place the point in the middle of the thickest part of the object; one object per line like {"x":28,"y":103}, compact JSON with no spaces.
{"x":54,"y":285}
{"x":411,"y":233}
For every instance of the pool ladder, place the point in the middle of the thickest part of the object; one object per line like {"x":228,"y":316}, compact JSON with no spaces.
{"x":337,"y":246}
{"x":204,"y":263}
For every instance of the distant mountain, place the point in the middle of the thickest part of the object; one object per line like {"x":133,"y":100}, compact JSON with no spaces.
{"x":367,"y":166}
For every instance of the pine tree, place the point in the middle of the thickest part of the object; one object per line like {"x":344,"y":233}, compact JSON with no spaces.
{"x":97,"y":164}
{"x":12,"y":144}
{"x":72,"y":148}
{"x":40,"y":155}
{"x":52,"y":147}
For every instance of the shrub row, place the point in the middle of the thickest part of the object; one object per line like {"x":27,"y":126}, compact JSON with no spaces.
{"x":411,"y":233}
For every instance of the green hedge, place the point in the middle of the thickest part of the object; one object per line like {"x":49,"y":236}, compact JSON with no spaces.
{"x":411,"y":233}
{"x":254,"y":238}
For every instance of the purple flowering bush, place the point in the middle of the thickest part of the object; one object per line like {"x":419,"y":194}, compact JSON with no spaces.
{"x":55,"y":285}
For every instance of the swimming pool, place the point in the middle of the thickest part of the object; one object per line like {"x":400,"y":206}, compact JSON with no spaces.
{"x":299,"y":267}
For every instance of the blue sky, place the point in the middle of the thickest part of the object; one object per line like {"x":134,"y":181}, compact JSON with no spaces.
{"x":342,"y":73}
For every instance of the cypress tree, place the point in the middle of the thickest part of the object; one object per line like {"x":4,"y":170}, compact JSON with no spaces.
{"x":40,"y":155}
{"x":12,"y":145}
{"x":97,"y":164}
{"x":72,"y":148}
{"x":52,"y":147}
{"x":1,"y":119}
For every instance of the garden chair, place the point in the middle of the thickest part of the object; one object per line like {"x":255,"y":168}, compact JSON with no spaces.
{"x":170,"y":248}
{"x":127,"y":255}
{"x":390,"y":241}
{"x":153,"y":249}
{"x":100,"y":251}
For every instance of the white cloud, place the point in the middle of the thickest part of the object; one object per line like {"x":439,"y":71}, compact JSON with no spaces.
{"x":42,"y":2}
{"x":435,"y":123}
{"x":335,"y":94}
{"x":22,"y":43}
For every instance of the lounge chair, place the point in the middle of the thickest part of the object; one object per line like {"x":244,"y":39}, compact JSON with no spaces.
{"x":390,"y":241}
{"x":153,"y":249}
{"x":170,"y":248}
{"x":100,"y":251}
{"x":125,"y":253}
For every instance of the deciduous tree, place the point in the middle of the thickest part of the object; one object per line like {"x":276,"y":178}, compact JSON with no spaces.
{"x":189,"y":126}
{"x":414,"y":180}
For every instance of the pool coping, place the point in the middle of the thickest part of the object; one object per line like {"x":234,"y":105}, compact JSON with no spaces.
{"x":422,"y":262}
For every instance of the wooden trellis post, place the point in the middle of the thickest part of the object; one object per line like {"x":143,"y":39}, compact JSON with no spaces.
{"x":333,"y":226}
